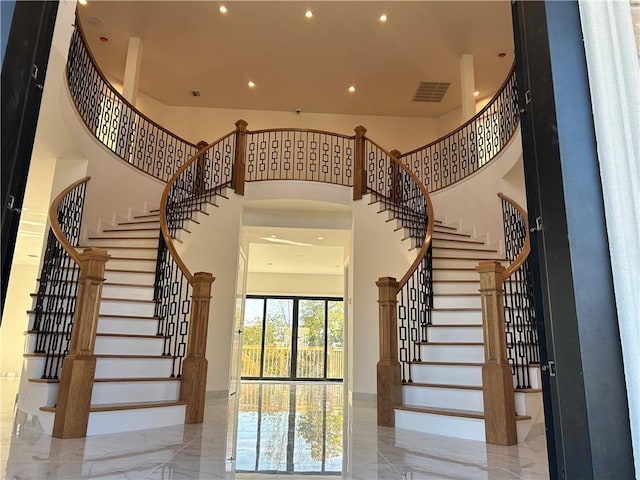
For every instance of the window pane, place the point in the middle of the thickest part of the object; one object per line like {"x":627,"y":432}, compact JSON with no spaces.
{"x":277,"y":347}
{"x":335,"y":340}
{"x":311,"y":332}
{"x":252,"y":337}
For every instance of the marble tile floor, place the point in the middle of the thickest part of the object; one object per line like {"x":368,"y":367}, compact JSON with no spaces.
{"x":306,"y":431}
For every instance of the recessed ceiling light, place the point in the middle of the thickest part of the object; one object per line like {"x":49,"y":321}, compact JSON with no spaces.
{"x":251,"y":84}
{"x":104,"y":39}
{"x":273,"y":236}
{"x":502,"y":54}
{"x":223,"y":9}
{"x":269,"y":263}
{"x":308,"y":14}
{"x":476,"y":93}
{"x":82,"y":2}
{"x":352,"y":89}
{"x":31,"y":255}
{"x":320,"y":238}
{"x":383,"y":18}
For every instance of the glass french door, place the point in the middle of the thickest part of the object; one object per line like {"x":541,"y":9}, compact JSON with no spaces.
{"x":293,"y":338}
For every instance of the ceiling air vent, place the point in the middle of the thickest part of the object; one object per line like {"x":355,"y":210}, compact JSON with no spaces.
{"x":194,"y":93}
{"x":431,"y":91}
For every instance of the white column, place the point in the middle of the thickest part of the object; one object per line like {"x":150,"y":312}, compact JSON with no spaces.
{"x":467,"y":87}
{"x":132,"y":70}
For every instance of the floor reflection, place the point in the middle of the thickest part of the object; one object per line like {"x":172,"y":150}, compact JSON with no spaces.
{"x":293,"y":428}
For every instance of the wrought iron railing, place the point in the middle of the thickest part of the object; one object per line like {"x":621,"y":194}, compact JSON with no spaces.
{"x":405,"y":197}
{"x":58,"y":285}
{"x":116,"y":123}
{"x":197,"y":183}
{"x":292,"y":154}
{"x":520,"y":316}
{"x":464,"y":151}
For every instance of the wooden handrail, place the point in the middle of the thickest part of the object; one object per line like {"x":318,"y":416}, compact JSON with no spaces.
{"x":55,"y":225}
{"x":118,"y":94}
{"x":526,"y":248}
{"x":472,"y":119}
{"x":303,"y":130}
{"x":164,"y":229}
{"x":431,"y":221}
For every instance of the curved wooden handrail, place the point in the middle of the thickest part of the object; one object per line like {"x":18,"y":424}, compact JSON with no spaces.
{"x":472,"y":119}
{"x":526,"y":248}
{"x":55,"y":225}
{"x":431,"y":221}
{"x":118,"y":94}
{"x":303,"y":130}
{"x":164,"y":228}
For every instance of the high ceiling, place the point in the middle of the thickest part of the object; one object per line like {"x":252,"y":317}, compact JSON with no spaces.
{"x":304,"y":63}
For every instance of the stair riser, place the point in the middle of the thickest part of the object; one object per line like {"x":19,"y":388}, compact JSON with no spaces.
{"x":138,"y":278}
{"x":130,"y":420}
{"x":473,"y":317}
{"x":131,"y":326}
{"x":447,"y":374}
{"x":108,"y":307}
{"x":133,"y":264}
{"x":460,"y":427}
{"x":439,"y":242}
{"x":133,"y":367}
{"x":139,"y":223}
{"x":457,"y":302}
{"x":134,"y":252}
{"x":453,"y":353}
{"x":443,"y":398}
{"x":456,"y":275}
{"x":454,"y":262}
{"x":121,"y":232}
{"x":40,"y":394}
{"x":455,"y":334}
{"x":443,"y":235}
{"x":128,"y":346}
{"x":119,"y":242}
{"x":456,"y":287}
{"x":134,"y":392}
{"x":126,"y":292}
{"x":438,"y":251}
{"x":528,"y":403}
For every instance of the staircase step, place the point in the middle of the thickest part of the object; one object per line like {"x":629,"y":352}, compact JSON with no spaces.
{"x":439,"y":242}
{"x":452,"y":352}
{"x":125,"y":306}
{"x":455,"y":333}
{"x":448,"y":233}
{"x":140,"y":222}
{"x":138,"y":277}
{"x":134,"y":326}
{"x":455,"y":286}
{"x":463,"y":374}
{"x":455,"y":273}
{"x":130,"y":291}
{"x":133,"y":366}
{"x":430,"y":396}
{"x":156,"y":214}
{"x":124,"y":242}
{"x":128,"y":251}
{"x":456,"y":316}
{"x":457,"y":300}
{"x":128,"y":344}
{"x":134,"y":390}
{"x":452,"y":262}
{"x":129,"y":232}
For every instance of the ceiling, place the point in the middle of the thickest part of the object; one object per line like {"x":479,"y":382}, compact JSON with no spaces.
{"x":304,"y":63}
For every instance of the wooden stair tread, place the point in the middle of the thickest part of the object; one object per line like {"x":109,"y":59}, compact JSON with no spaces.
{"x":441,"y":385}
{"x":138,"y":222}
{"x":456,"y":325}
{"x":138,"y":259}
{"x":455,"y":295}
{"x":122,"y":238}
{"x":457,"y":309}
{"x":453,"y":280}
{"x":123,"y":247}
{"x":454,"y":344}
{"x":130,"y":335}
{"x":456,"y":269}
{"x":470,"y":240}
{"x":468,"y":250}
{"x":103,"y":355}
{"x":451,"y":412}
{"x":125,"y":316}
{"x":111,"y":407}
{"x":456,"y":233}
{"x":450,"y":364}
{"x":131,"y":300}
{"x":112,"y":380}
{"x":147,"y":215}
{"x":142,"y":229}
{"x":123,"y":270}
{"x":134,"y":285}
{"x":438,"y":257}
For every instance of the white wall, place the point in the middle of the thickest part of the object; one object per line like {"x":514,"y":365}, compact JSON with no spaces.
{"x":261,"y":283}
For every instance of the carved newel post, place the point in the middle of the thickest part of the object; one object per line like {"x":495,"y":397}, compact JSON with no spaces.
{"x":497,"y":381}
{"x":79,"y":365}
{"x":193,"y":383}
{"x":360,"y":173}
{"x":238,"y":167}
{"x":388,"y":368}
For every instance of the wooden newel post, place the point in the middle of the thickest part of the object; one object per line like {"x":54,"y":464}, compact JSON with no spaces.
{"x":396,"y":179}
{"x":79,"y":366}
{"x":497,"y":381}
{"x":238,"y":168}
{"x":193,"y":383}
{"x":388,"y":368}
{"x":360,"y":173}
